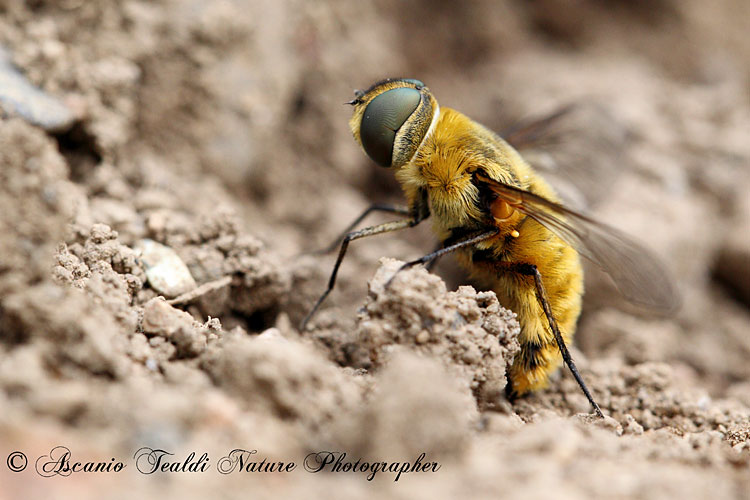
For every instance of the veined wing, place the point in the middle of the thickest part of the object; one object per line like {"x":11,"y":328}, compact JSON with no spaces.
{"x":636,"y":271}
{"x":580,"y":148}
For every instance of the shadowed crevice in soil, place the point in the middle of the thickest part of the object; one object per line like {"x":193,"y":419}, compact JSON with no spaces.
{"x":80,"y":149}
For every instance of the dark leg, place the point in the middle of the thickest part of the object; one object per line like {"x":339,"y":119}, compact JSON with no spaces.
{"x":355,"y":235}
{"x":476,"y":238}
{"x":431,"y":264}
{"x":531,"y":270}
{"x":375,"y":207}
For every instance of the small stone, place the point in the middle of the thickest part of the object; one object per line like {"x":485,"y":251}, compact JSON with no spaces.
{"x":165,"y":270}
{"x":18,"y":96}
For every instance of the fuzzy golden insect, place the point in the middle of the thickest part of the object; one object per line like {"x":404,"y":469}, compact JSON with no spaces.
{"x":502,"y":220}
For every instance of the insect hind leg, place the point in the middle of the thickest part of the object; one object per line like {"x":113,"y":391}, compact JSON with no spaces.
{"x":531,"y":270}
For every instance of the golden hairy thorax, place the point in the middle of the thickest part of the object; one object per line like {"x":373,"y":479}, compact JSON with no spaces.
{"x":443,"y":166}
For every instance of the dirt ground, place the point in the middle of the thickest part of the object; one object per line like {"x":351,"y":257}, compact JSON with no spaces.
{"x":149,"y":148}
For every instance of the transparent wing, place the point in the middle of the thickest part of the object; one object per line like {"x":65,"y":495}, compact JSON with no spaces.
{"x":637,"y":273}
{"x":580,"y":148}
{"x":536,"y":132}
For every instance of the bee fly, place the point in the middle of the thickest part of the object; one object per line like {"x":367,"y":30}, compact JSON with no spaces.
{"x":502,"y":220}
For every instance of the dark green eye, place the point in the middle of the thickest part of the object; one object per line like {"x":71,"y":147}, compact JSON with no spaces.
{"x":383,"y":117}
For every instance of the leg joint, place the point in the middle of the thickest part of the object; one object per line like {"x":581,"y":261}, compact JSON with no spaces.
{"x":526,"y":269}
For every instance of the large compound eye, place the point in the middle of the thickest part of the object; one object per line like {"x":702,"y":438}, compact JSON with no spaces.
{"x":383,"y":117}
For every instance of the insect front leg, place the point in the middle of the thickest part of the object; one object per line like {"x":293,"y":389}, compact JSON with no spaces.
{"x":351,"y":236}
{"x":419,"y":211}
{"x":375,"y":207}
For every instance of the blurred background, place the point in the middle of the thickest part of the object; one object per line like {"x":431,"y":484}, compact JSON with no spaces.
{"x":218,"y":129}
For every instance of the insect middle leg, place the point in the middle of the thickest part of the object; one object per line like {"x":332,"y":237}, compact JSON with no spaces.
{"x":433,"y":256}
{"x":432,"y":263}
{"x":349,"y":237}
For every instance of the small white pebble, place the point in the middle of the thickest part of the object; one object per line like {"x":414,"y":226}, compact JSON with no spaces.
{"x":19,"y":96}
{"x":165,"y":270}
